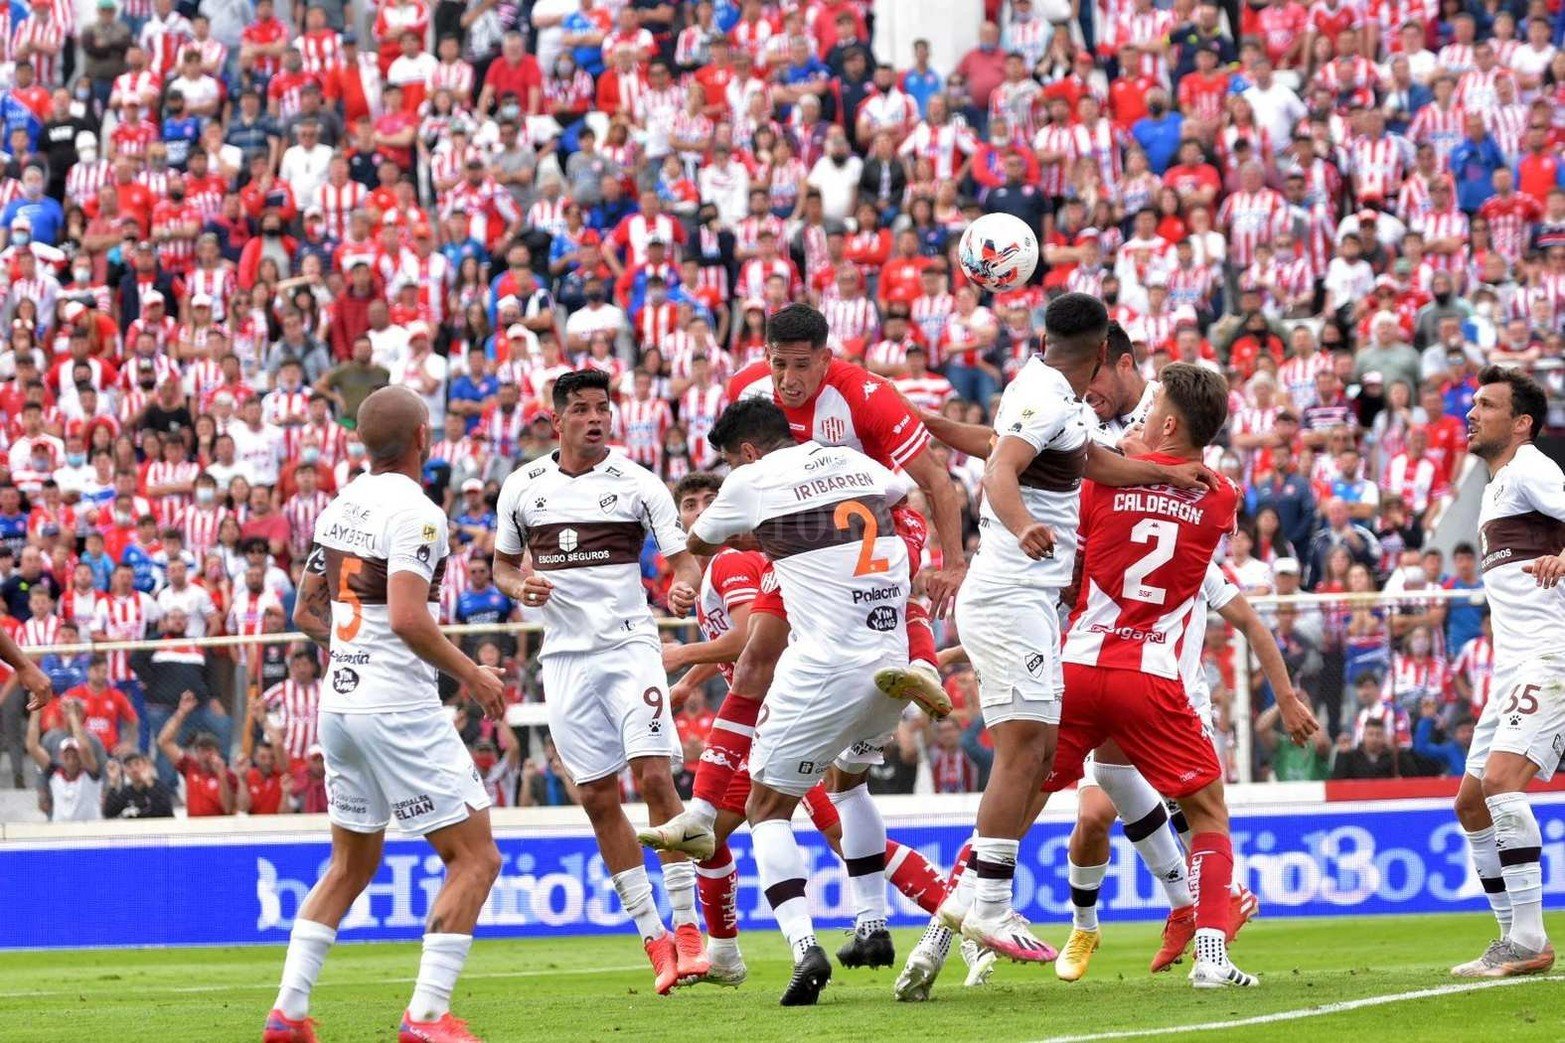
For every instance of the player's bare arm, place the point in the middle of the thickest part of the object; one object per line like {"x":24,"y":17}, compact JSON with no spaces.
{"x":407,"y":605}
{"x":312,"y":609}
{"x":1107,"y":467}
{"x":935,"y":483}
{"x":722,"y":649}
{"x":1297,"y":718}
{"x":687,"y":581}
{"x":1002,"y":486}
{"x":1548,"y":570}
{"x":679,"y":692}
{"x":972,"y":439}
{"x":32,"y":679}
{"x":529,"y":588}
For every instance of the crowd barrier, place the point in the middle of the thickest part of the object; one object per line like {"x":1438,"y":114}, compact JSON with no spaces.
{"x":1303,"y":850}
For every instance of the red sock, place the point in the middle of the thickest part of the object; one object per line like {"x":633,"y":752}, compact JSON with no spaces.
{"x":717,"y":883}
{"x":963,"y":856}
{"x":727,"y":746}
{"x":913,"y":875}
{"x":1211,"y":870}
{"x":920,"y":635}
{"x":823,"y":813}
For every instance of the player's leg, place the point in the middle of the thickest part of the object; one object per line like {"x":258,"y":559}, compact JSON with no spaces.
{"x":863,"y":852}
{"x":1087,"y":863}
{"x":781,"y":866}
{"x":655,"y":783}
{"x":359,"y":812}
{"x":728,"y":744}
{"x":717,"y":885}
{"x":1212,"y":865}
{"x":1478,"y":827}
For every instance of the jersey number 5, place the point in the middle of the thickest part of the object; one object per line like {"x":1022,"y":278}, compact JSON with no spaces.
{"x":848,"y":510}
{"x":349,"y":568}
{"x":1163,"y":535}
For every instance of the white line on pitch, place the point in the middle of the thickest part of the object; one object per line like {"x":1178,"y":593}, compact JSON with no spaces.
{"x":1306,"y":1012}
{"x":95,"y":983}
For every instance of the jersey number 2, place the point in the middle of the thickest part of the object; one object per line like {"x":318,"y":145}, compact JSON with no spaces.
{"x":1162,"y":534}
{"x":349,"y":568}
{"x":868,"y":564}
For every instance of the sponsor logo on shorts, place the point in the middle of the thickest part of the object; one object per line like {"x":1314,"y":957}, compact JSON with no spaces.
{"x":355,"y":658}
{"x":349,"y":805}
{"x":540,"y":503}
{"x":413,"y":807}
{"x":344,"y":680}
{"x":863,"y":597}
{"x":865,"y":749}
{"x":1034,"y":663}
{"x":812,"y":767}
{"x":882,"y":618}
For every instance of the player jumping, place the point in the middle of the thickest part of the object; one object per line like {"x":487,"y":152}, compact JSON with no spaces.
{"x":1146,"y":552}
{"x":822,"y":515}
{"x":582,"y":515}
{"x":1521,"y":732}
{"x":369,"y":596}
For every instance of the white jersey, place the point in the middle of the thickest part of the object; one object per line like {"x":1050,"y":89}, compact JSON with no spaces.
{"x":1522,"y":518}
{"x":585,"y":533}
{"x":378,"y":526}
{"x":1040,"y":408}
{"x":1110,"y":432}
{"x":822,"y":515}
{"x":1216,"y":591}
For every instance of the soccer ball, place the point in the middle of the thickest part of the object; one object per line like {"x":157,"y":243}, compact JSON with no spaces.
{"x":998,"y":252}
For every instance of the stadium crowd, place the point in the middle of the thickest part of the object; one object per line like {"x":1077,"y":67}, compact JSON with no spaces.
{"x":225,"y":223}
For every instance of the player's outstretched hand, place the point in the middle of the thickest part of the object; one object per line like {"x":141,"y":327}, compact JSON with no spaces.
{"x":36,"y":684}
{"x":941,"y":585}
{"x":488,"y":691}
{"x":1299,"y":720}
{"x":1192,"y":476}
{"x":681,"y":597}
{"x":1037,"y":541}
{"x":1547,"y":570}
{"x":536,"y":591}
{"x":679,"y":693}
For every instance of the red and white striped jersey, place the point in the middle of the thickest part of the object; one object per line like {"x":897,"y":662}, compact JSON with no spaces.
{"x":80,"y":607}
{"x":1412,"y":480}
{"x":124,"y":618}
{"x":1475,"y":665}
{"x":946,"y":146}
{"x":161,"y":473}
{"x":85,"y":180}
{"x":931,"y":315}
{"x":548,"y":215}
{"x":747,"y":233}
{"x":1084,"y":280}
{"x":631,"y":235}
{"x":1476,"y":92}
{"x":699,"y":408}
{"x":1190,"y":287}
{"x":301,"y":510}
{"x":1507,"y":123}
{"x":850,"y":318}
{"x":295,"y":710}
{"x":39,"y":631}
{"x":1068,"y":141}
{"x":1296,"y":375}
{"x":641,"y":425}
{"x":456,"y":77}
{"x":1250,"y":218}
{"x":654,"y":322}
{"x":321,"y":50}
{"x":489,"y":206}
{"x":1145,"y":553}
{"x":144,"y":86}
{"x":892,"y":111}
{"x":432,"y":274}
{"x":1457,"y":58}
{"x":36,"y":32}
{"x":1377,"y":167}
{"x":1441,"y":128}
{"x":217,"y":283}
{"x":754,"y":273}
{"x":680,"y":348}
{"x":930,"y":391}
{"x":200,"y":525}
{"x":731,"y":581}
{"x":1450,"y":223}
{"x":1144,"y":29}
{"x":280,"y":406}
{"x":1411,"y":678}
{"x":1510,"y":223}
{"x":337,"y":202}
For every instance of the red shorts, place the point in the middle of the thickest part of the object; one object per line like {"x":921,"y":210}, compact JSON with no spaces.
{"x":908,"y":523}
{"x":1150,"y":717}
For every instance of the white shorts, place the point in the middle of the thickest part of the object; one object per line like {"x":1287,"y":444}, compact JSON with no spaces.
{"x":812,"y":720}
{"x":608,"y":708}
{"x":1525,"y":715}
{"x":1013,"y":643}
{"x":409,"y":764}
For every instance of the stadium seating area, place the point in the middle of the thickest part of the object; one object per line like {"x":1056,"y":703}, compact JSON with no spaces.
{"x":226,"y":223}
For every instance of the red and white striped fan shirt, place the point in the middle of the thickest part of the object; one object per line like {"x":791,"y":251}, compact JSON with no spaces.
{"x":641,"y":426}
{"x":747,"y":233}
{"x":200,"y":525}
{"x":337,"y":202}
{"x":1412,"y":480}
{"x":945,"y":146}
{"x":85,"y":180}
{"x":1475,"y":664}
{"x":1144,"y":29}
{"x":296,"y":708}
{"x":321,"y":50}
{"x":1456,"y":58}
{"x":699,"y":409}
{"x":301,"y":510}
{"x":1476,"y":92}
{"x":850,"y":318}
{"x":39,"y":631}
{"x":1441,"y":128}
{"x":34,"y":32}
{"x":1190,"y":287}
{"x":930,"y":391}
{"x":754,"y":273}
{"x":1507,"y":123}
{"x":160,"y":473}
{"x":456,"y":77}
{"x":217,"y":283}
{"x":280,"y":405}
{"x":1377,"y":167}
{"x":1296,"y":375}
{"x":548,"y":216}
{"x":1411,"y":678}
{"x":1066,"y":139}
{"x":124,"y":618}
{"x":931,"y":315}
{"x":680,"y":349}
{"x":1510,"y":223}
{"x":80,"y":607}
{"x":654,"y":322}
{"x":504,"y":431}
{"x":1450,"y":223}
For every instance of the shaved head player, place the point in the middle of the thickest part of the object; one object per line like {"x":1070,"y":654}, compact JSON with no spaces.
{"x":370,"y":595}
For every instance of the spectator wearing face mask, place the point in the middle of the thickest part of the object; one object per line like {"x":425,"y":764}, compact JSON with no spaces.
{"x":45,"y":215}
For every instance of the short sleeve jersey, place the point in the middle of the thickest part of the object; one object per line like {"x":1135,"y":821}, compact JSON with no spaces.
{"x":378,"y":526}
{"x":852,"y":407}
{"x":585,"y":533}
{"x":822,"y":515}
{"x":1216,"y":592}
{"x":1146,"y":553}
{"x":1522,"y":518}
{"x":1039,"y":408}
{"x":732,"y":580}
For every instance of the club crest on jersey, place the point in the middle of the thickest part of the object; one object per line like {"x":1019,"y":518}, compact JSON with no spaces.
{"x":833,"y":429}
{"x":769,"y":583}
{"x":568,"y":540}
{"x":608,"y":502}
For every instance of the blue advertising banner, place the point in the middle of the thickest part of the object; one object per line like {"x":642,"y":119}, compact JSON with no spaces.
{"x":1329,"y":859}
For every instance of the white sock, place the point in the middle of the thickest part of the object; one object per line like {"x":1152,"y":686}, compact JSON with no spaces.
{"x":1211,"y":945}
{"x":1085,"y":882}
{"x":1486,"y":861}
{"x":635,"y":893}
{"x":864,"y":852}
{"x":927,"y":668}
{"x":722,"y":950}
{"x":438,"y":970}
{"x":679,"y":880}
{"x":308,"y":944}
{"x":1520,"y":846}
{"x":1146,"y":827}
{"x":994,"y":860}
{"x":780,"y":864}
{"x":702,"y":811}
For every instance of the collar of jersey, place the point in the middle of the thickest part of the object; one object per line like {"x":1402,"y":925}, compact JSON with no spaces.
{"x":554,"y":456}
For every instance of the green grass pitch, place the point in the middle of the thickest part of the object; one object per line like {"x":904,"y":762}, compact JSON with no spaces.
{"x":600,"y":989}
